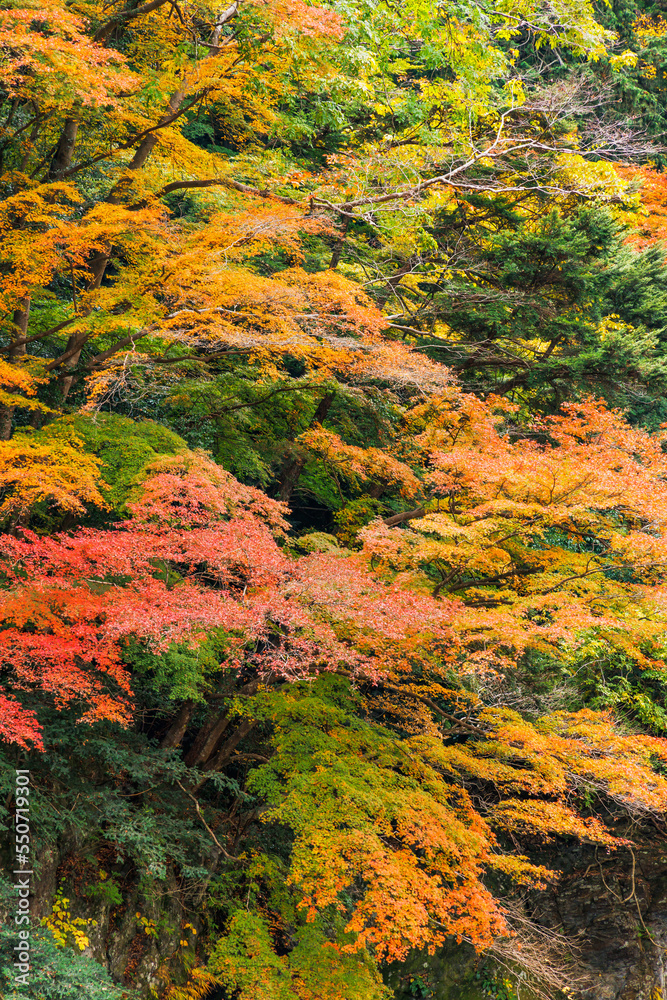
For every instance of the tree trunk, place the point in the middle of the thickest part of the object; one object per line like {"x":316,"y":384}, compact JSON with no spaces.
{"x":34,"y":132}
{"x":226,"y":750}
{"x":144,"y":149}
{"x":62,"y":158}
{"x":176,"y":732}
{"x":20,"y":321}
{"x":99,"y":260}
{"x":293,"y":466}
{"x":338,"y":246}
{"x":207,"y":739}
{"x":75,"y":343}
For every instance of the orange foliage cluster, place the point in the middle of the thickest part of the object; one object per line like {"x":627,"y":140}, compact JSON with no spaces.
{"x":543,"y":536}
{"x":72,"y":603}
{"x":360,"y":463}
{"x":39,"y":243}
{"x":309,"y":20}
{"x":651,"y":219}
{"x":45,"y":53}
{"x":323,"y":319}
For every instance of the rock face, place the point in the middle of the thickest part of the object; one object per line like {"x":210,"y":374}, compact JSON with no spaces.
{"x":454,"y":973}
{"x":134,"y":939}
{"x":612,"y":906}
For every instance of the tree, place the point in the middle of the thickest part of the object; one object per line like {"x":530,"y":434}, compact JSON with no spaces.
{"x":547,"y":531}
{"x":66,"y":596}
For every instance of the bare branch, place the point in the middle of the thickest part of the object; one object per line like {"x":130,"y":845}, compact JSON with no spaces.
{"x":215,"y":840}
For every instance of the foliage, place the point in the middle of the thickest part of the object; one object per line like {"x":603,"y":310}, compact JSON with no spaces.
{"x":42,"y":479}
{"x":332,"y":476}
{"x":57,"y":973}
{"x":64,"y":926}
{"x":124,"y":450}
{"x":63,"y":594}
{"x":245,"y":961}
{"x":544,"y":527}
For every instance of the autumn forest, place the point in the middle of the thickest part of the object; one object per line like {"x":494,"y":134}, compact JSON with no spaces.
{"x":333,"y":499}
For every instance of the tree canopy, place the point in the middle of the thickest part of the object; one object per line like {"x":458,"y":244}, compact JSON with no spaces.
{"x":333,"y":481}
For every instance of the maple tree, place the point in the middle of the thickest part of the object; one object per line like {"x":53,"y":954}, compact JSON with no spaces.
{"x":544,"y":532}
{"x":64,"y":594}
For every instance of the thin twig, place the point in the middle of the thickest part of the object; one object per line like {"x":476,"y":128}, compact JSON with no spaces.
{"x":213,"y":836}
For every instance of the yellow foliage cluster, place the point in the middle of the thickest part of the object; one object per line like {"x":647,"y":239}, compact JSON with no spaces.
{"x":57,"y":477}
{"x":64,"y":927}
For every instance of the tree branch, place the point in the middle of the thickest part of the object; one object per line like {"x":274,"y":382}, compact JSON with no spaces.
{"x":220,"y":182}
{"x":217,"y":843}
{"x":39,"y":336}
{"x":138,"y":135}
{"x":406,"y":515}
{"x":126,"y":15}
